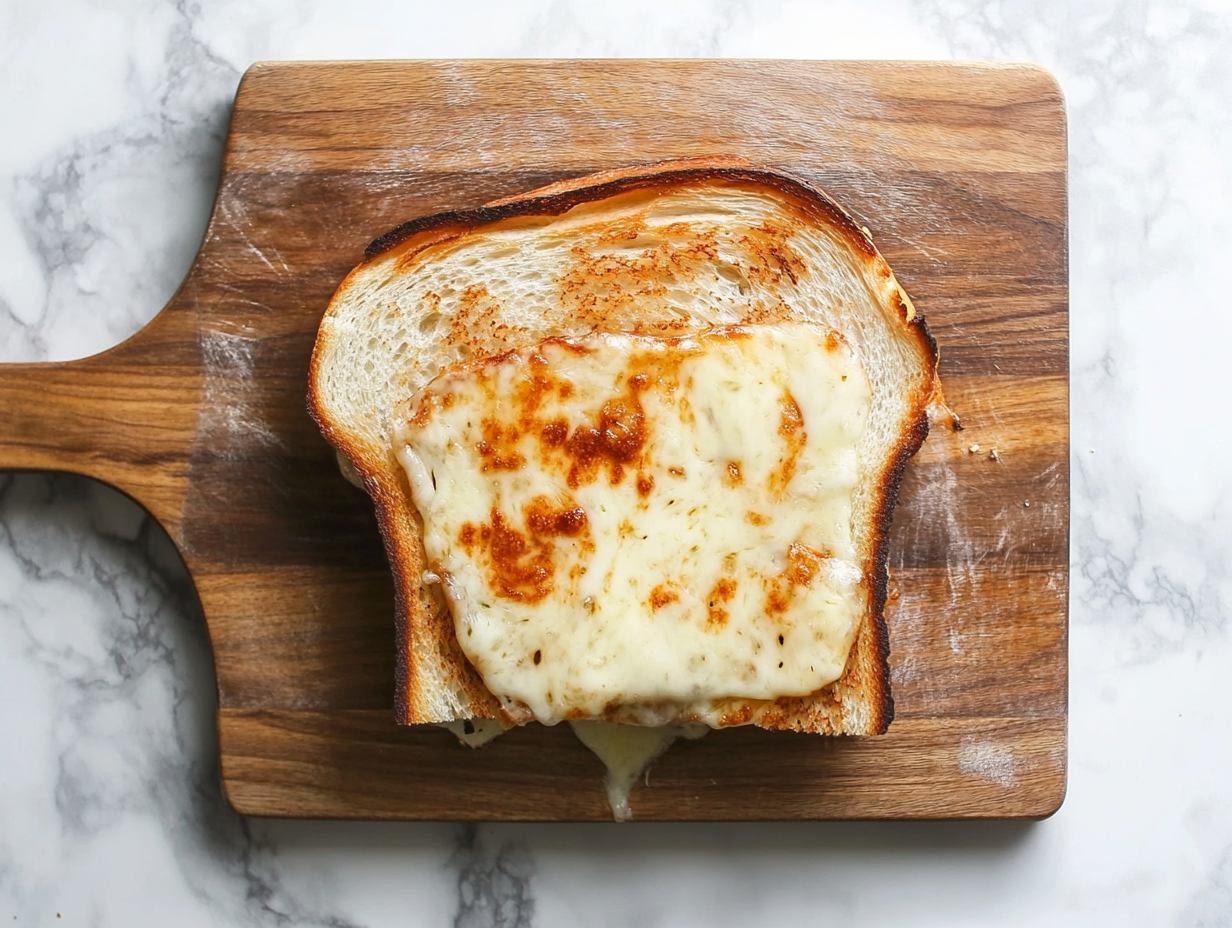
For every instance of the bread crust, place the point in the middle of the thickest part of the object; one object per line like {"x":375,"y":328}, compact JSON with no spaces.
{"x":866,"y":679}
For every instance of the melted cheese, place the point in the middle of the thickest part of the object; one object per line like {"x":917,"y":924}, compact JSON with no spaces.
{"x":626,"y":751}
{"x":646,"y":529}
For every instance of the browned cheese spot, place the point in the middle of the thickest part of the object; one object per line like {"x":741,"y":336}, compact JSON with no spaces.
{"x":731,"y":474}
{"x":645,"y":483}
{"x":522,"y":564}
{"x":553,"y":434}
{"x":614,"y":441}
{"x":756,"y":518}
{"x":529,"y":391}
{"x":498,"y":447}
{"x":803,"y":565}
{"x":520,"y":570}
{"x":423,"y":414}
{"x":791,"y":429}
{"x":660,"y":596}
{"x":722,"y":593}
{"x":545,"y":520}
{"x":791,"y":419}
{"x":686,"y":408}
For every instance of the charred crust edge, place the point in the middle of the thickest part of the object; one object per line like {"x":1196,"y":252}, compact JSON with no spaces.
{"x":647,"y":177}
{"x":402,"y":631}
{"x":890,"y":482}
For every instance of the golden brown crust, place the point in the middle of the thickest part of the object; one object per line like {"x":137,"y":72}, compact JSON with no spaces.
{"x":401,"y":531}
{"x":866,"y":678}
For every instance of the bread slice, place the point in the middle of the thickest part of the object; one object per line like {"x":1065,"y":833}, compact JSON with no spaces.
{"x":663,"y":249}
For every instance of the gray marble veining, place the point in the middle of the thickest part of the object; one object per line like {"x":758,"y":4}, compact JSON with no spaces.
{"x":110,"y":811}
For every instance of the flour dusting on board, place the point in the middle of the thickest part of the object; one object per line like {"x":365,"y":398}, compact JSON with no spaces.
{"x":233,"y":211}
{"x":938,"y":507}
{"x":989,"y":761}
{"x":931,"y":516}
{"x":229,"y":422}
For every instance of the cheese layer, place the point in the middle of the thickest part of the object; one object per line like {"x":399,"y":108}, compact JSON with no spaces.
{"x":642,"y":528}
{"x":626,"y":752}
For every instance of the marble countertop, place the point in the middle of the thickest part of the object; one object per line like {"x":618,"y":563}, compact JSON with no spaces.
{"x":110,"y":808}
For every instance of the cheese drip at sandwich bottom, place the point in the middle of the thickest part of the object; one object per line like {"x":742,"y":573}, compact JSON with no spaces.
{"x":644,"y":529}
{"x":625,"y":750}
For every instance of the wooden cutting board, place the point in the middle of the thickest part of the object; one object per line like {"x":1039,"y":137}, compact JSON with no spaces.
{"x":959,"y":170}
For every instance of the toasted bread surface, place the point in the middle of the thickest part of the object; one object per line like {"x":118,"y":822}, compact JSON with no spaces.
{"x":658,"y":250}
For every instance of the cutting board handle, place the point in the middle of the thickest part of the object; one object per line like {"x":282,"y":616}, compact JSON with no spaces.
{"x":54,"y":416}
{"x":49,"y":418}
{"x":126,"y":417}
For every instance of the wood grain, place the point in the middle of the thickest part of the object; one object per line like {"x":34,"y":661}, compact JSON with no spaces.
{"x":958,"y":170}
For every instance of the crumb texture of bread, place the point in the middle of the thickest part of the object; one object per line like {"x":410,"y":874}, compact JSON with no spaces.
{"x":666,"y":249}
